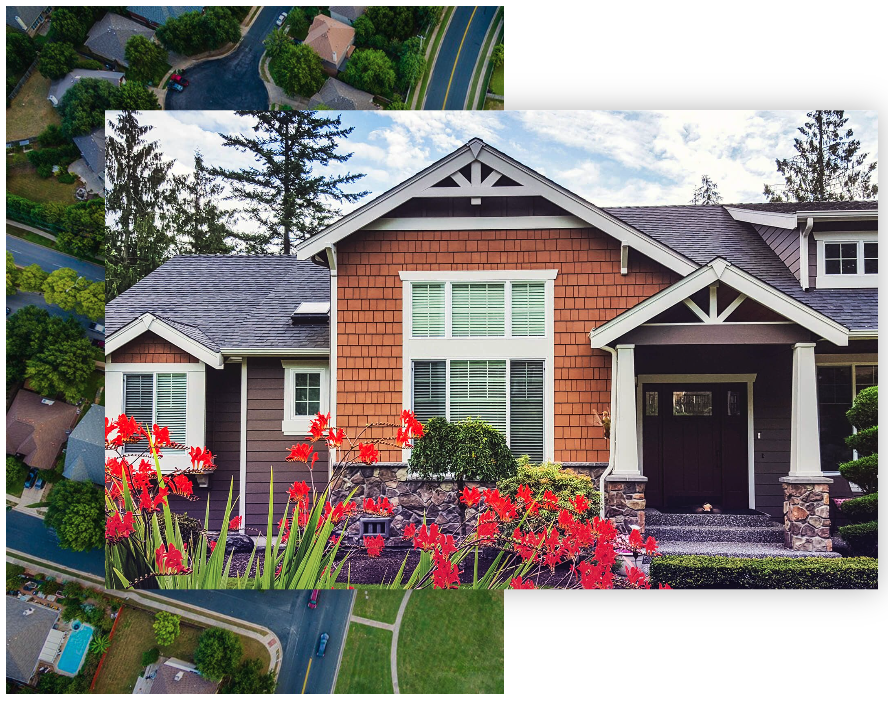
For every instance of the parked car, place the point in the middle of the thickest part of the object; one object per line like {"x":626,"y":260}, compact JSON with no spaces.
{"x":322,"y":644}
{"x":32,"y":477}
{"x":313,"y":599}
{"x":41,"y":482}
{"x":281,"y":18}
{"x":96,"y":327}
{"x":180,"y":79}
{"x":100,"y":343}
{"x":175,"y":86}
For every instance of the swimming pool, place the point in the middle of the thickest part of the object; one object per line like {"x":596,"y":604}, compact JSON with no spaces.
{"x":75,"y":648}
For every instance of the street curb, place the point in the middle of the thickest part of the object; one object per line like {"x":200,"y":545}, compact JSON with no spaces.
{"x":437,"y":53}
{"x":472,"y":100}
{"x":344,"y":641}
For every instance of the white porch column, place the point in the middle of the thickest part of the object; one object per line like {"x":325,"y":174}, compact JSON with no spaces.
{"x":623,"y":425}
{"x":804,"y":450}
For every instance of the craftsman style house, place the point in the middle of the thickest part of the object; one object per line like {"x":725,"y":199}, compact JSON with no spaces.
{"x":725,"y":343}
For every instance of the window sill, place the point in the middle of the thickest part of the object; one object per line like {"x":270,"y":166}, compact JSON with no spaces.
{"x":299,"y":426}
{"x":827,"y":281}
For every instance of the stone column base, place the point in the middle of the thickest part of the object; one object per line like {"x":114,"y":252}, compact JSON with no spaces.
{"x":624,"y":501}
{"x":806,"y":520}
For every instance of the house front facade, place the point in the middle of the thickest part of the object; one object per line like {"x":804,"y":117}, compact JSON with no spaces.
{"x":681,"y":356}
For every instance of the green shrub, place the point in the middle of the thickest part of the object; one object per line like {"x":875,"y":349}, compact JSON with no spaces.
{"x":51,"y":587}
{"x":771,"y":572}
{"x":863,"y":538}
{"x":551,"y":477}
{"x":864,"y":413}
{"x":151,"y":656}
{"x":865,"y":442}
{"x":14,"y":574}
{"x":864,"y":472}
{"x":66,"y":177}
{"x":16,"y":470}
{"x":862,"y":509}
{"x":52,"y":136}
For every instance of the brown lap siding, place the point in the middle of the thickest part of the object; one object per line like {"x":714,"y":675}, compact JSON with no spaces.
{"x":589,"y":291}
{"x":268,"y":446}
{"x":149,"y":348}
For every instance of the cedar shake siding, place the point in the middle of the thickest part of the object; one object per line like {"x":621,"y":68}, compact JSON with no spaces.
{"x":268,"y":446}
{"x":589,"y":291}
{"x":223,"y":439}
{"x":149,"y":348}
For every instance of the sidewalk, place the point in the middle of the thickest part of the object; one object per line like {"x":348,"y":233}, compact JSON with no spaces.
{"x":34,"y":230}
{"x":154,"y":601}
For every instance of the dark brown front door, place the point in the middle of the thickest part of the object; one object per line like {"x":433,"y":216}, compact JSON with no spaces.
{"x":695,"y":445}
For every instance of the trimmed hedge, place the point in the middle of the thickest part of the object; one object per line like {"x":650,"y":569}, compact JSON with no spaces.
{"x":864,"y":472}
{"x":863,"y":538}
{"x":862,"y":509}
{"x":865,"y":442}
{"x":864,"y":413}
{"x":770,"y":572}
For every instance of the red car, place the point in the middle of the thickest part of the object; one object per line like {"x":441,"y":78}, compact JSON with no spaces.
{"x":313,"y":599}
{"x":181,"y":80}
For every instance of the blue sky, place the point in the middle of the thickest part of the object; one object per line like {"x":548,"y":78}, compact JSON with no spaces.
{"x":609,"y":158}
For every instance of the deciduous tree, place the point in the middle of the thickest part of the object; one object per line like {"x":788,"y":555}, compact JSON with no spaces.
{"x":32,"y":278}
{"x":134,"y":96}
{"x":298,"y":70}
{"x":20,"y":52}
{"x":145,"y":58}
{"x":83,"y":106}
{"x":370,"y":70}
{"x":77,"y":513}
{"x":56,"y":60}
{"x":62,"y":287}
{"x":277,"y":40}
{"x":218,"y":653}
{"x":91,"y":301}
{"x":247,"y":678}
{"x":69,"y":25}
{"x":12,"y":274}
{"x":166,"y":628}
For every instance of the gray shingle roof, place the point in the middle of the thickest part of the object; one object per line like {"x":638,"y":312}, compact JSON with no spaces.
{"x":341,"y":96}
{"x":809,"y":207}
{"x":705,"y":232}
{"x":159,"y":14}
{"x":230,"y":302}
{"x":108,"y":36}
{"x":85,"y":455}
{"x":92,"y":147}
{"x":26,"y":13}
{"x":25,"y":637}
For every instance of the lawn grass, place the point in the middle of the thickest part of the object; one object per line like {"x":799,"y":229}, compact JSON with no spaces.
{"x":16,"y":486}
{"x":30,"y":237}
{"x":375,"y":604}
{"x":463,"y":628}
{"x":491,"y":104}
{"x":30,"y":112}
{"x":498,"y":81}
{"x":22,"y":179}
{"x":135,"y":635}
{"x":445,"y":18}
{"x":366,"y":661}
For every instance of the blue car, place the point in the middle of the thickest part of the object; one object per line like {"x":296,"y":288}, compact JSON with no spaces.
{"x":32,"y":476}
{"x":41,"y":482}
{"x":322,"y":644}
{"x":175,"y":86}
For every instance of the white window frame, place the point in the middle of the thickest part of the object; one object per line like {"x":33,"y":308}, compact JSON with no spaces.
{"x":195,"y":394}
{"x":852,"y":361}
{"x":294,"y":424}
{"x":506,"y":348}
{"x":845,"y":280}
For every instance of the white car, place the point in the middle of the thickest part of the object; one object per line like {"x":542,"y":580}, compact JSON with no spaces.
{"x":281,"y":19}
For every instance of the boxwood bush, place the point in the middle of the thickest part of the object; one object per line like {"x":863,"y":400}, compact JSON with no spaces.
{"x":863,"y":538}
{"x":770,"y":572}
{"x":862,"y":509}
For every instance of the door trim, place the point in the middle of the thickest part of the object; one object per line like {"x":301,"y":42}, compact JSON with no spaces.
{"x":747,"y":378}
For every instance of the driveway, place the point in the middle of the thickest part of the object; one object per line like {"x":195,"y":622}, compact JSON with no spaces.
{"x":232,"y":82}
{"x":457,"y":55}
{"x":27,"y":253}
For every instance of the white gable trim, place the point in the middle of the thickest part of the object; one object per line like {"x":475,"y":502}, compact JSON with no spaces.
{"x":149,"y":323}
{"x":529,"y":183}
{"x":784,"y":220}
{"x":739,"y":280}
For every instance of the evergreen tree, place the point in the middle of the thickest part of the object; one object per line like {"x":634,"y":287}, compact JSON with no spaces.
{"x":202,"y":225}
{"x":137,"y":174}
{"x":706,"y":193}
{"x":827,"y":166}
{"x":283,"y":193}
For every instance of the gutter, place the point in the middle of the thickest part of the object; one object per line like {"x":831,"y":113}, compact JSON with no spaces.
{"x":610,"y":460}
{"x":804,"y":265}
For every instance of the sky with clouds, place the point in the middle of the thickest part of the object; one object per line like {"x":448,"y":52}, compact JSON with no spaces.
{"x":609,"y":158}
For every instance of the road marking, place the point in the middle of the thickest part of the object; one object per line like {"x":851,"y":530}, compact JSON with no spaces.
{"x":305,"y":683}
{"x":456,"y":61}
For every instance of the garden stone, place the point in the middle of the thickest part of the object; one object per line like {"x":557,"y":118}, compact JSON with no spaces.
{"x":239,"y":544}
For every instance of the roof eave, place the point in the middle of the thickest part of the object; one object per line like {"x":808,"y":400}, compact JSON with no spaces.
{"x":148,"y":322}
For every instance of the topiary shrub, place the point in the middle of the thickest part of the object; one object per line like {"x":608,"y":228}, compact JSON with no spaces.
{"x":548,"y":476}
{"x":864,"y":472}
{"x":865,"y":410}
{"x":864,"y":415}
{"x":863,"y":538}
{"x":862,"y":509}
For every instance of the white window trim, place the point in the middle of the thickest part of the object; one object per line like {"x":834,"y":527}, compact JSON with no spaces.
{"x":482,"y":348}
{"x":844,"y":280}
{"x":293,"y":424}
{"x":196,"y":399}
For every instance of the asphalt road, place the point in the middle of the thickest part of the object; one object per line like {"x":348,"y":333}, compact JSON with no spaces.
{"x":22,"y":299}
{"x":285,"y":613}
{"x":232,"y":82}
{"x":27,"y":253}
{"x":452,"y":74}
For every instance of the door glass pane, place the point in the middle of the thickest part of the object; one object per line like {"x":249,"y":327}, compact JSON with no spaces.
{"x":688,"y":403}
{"x":306,"y":393}
{"x":834,"y":392}
{"x":733,"y":403}
{"x":651,"y":403}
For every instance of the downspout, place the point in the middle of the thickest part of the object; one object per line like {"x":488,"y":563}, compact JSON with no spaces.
{"x":610,"y":461}
{"x":334,"y":349}
{"x":803,"y":254}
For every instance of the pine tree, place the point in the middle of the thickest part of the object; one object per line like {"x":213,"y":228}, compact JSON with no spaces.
{"x":283,"y":192}
{"x":707,"y":193}
{"x":201,"y":224}
{"x":828,"y":165}
{"x":137,"y":174}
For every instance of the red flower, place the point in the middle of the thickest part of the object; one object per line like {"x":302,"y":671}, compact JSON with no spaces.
{"x":236,"y":522}
{"x":335,"y":439}
{"x":403,"y":438}
{"x":525,"y":494}
{"x":145,"y":502}
{"x":212,"y":544}
{"x":636,"y":540}
{"x":160,"y":498}
{"x":565,"y":519}
{"x":181,"y":485}
{"x":650,"y":546}
{"x":369,"y":505}
{"x":470,"y":496}
{"x":411,"y":424}
{"x":487,"y":526}
{"x":128,"y":430}
{"x":161,"y":436}
{"x":445,"y":575}
{"x":298,"y":492}
{"x":409,"y":531}
{"x":426,"y":537}
{"x":169,"y":560}
{"x":580,"y":503}
{"x":517,"y":583}
{"x":318,"y":425}
{"x":300,"y":452}
{"x":550,"y":501}
{"x":374,"y":545}
{"x":637,"y":578}
{"x":664,"y":587}
{"x":368,"y":453}
{"x":201,"y":458}
{"x":119,"y":528}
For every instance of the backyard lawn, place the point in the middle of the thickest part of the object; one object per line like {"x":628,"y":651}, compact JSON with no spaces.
{"x":134,"y":636}
{"x":366,"y":662}
{"x":30,"y":112}
{"x":375,"y":604}
{"x":22,"y":179}
{"x":463,"y":629}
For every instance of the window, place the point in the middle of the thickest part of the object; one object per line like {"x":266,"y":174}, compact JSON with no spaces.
{"x":689,"y":403}
{"x":306,"y":393}
{"x":840,"y":258}
{"x":157,"y":399}
{"x":847,"y":259}
{"x":508,"y":394}
{"x":428,"y":310}
{"x":837,"y":386}
{"x":870,"y":257}
{"x":479,"y":310}
{"x":528,"y":309}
